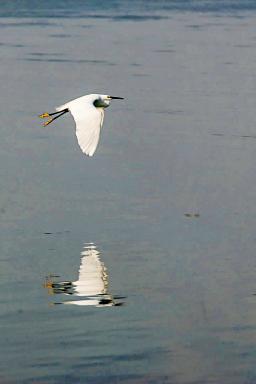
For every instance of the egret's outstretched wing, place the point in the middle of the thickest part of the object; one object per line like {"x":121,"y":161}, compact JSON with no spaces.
{"x":88,"y":126}
{"x":89,"y":121}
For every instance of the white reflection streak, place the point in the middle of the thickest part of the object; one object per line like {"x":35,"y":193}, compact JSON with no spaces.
{"x":92,"y":283}
{"x":93,"y":278}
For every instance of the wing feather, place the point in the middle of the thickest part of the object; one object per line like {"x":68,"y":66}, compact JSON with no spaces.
{"x":88,"y":125}
{"x":89,"y":121}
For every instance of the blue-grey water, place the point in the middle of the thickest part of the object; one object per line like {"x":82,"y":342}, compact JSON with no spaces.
{"x":150,"y":244}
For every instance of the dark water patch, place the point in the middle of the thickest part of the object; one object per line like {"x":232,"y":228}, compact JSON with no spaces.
{"x":192,"y":215}
{"x":17,"y":45}
{"x":120,"y":10}
{"x":225,"y":6}
{"x":53,"y":276}
{"x":132,"y":357}
{"x":214,"y":24}
{"x":57,"y":233}
{"x":127,"y":17}
{"x":136,"y":356}
{"x":27,"y":24}
{"x":248,"y":136}
{"x":243,"y":328}
{"x":132,"y":379}
{"x":76,"y":378}
{"x":195,"y":26}
{"x":138,"y":18}
{"x":87,"y":364}
{"x":140,"y":75}
{"x":166,"y":112}
{"x":88,"y":341}
{"x":235,"y":328}
{"x":12,"y":45}
{"x":53,"y":379}
{"x":243,"y":46}
{"x":45,"y":54}
{"x":233,"y":135}
{"x":74,"y":61}
{"x":165,"y":50}
{"x":45,"y":365}
{"x":103,"y":360}
{"x":85,"y":26}
{"x":60,"y":35}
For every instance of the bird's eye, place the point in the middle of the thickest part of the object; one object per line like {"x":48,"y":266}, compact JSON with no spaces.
{"x":97,"y":103}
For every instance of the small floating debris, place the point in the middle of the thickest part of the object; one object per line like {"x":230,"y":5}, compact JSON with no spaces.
{"x":192,"y":215}
{"x":248,"y":136}
{"x":57,"y":233}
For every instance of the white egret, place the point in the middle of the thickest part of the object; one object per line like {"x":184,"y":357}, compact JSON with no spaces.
{"x":88,"y":113}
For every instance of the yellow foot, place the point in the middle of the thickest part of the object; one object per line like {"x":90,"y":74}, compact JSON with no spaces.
{"x":47,"y":122}
{"x":44,"y":115}
{"x":48,"y":284}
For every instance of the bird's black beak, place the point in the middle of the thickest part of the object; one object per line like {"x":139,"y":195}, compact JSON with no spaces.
{"x":116,"y":98}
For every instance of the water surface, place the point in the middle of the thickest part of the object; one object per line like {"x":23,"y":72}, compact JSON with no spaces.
{"x":168,"y":200}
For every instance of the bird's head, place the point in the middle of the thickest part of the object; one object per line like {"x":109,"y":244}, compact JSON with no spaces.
{"x":103,"y":101}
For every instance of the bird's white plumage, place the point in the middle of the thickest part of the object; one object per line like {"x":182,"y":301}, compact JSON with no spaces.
{"x":88,"y":119}
{"x":88,"y":113}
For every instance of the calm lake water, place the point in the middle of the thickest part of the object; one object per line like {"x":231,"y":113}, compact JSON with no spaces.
{"x":150,"y":245}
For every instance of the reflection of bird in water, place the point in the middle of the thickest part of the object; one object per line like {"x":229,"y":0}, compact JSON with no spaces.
{"x":92,"y":283}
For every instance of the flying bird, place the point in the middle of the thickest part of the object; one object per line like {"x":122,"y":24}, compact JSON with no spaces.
{"x":88,"y":113}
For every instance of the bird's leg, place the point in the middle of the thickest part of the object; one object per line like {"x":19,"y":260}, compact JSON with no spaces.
{"x":46,"y":114}
{"x":59,"y":113}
